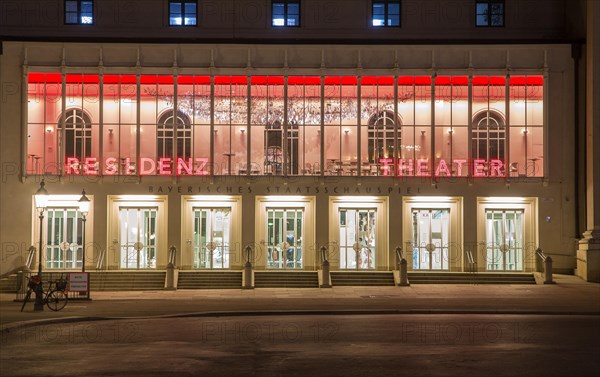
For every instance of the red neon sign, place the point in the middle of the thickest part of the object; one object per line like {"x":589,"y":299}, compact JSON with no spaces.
{"x":145,"y":166}
{"x":199,"y":166}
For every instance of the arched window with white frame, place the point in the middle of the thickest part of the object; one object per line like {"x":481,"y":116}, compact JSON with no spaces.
{"x":168,"y":129}
{"x":78,"y":134}
{"x":488,"y":135}
{"x":384,"y":128}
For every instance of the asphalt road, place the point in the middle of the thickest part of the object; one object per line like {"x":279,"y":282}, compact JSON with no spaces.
{"x":310,"y":345}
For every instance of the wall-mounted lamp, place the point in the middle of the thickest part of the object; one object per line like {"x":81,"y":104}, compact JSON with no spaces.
{"x":49,"y":129}
{"x":525,"y":132}
{"x":423,"y":133}
{"x":346,"y":131}
{"x":450,"y":131}
{"x":216,"y":131}
{"x":110,"y":131}
{"x":242,"y":130}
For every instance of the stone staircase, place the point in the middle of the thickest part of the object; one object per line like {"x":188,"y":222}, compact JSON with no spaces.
{"x":209,"y":280}
{"x":422,"y":277}
{"x":286,"y":279}
{"x":127,"y":281}
{"x":362,"y":278}
{"x":8,"y":284}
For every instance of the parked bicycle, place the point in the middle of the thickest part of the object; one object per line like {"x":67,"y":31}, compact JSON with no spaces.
{"x":55,"y":297}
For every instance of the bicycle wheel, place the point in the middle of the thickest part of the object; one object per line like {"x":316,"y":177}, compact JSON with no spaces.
{"x":56,"y":300}
{"x":27,"y":296}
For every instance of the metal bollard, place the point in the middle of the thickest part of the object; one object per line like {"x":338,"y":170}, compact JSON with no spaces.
{"x":539,"y":264}
{"x":23,"y":280}
{"x":170,"y":277}
{"x":248,"y":275}
{"x":398,"y":257}
{"x":325,"y":272}
{"x":403,"y":274}
{"x":548,"y":271}
{"x":248,"y":269}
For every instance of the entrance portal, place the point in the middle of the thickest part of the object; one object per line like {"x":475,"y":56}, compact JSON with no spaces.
{"x":284,"y":235}
{"x":64,"y":237}
{"x":504,"y":239}
{"x":211,"y":237}
{"x":138,"y":237}
{"x":431,"y":229}
{"x":357,"y":238}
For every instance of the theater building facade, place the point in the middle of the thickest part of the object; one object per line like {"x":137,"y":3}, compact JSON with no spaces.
{"x":449,"y":152}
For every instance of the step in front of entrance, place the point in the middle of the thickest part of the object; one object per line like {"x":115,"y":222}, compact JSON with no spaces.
{"x":127,"y":281}
{"x":384,"y":278}
{"x":285,"y":279}
{"x":470,"y":278}
{"x":209,"y":280}
{"x":8,"y":284}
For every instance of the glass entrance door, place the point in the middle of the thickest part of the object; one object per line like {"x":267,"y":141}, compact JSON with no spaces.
{"x":211,"y":237}
{"x":284,"y":238}
{"x":357,"y":238}
{"x":431,"y":229}
{"x":64,"y":237}
{"x":504,"y":240}
{"x":138,"y":237}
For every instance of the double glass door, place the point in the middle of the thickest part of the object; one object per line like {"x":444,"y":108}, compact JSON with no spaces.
{"x":211,"y":237}
{"x":431,"y":229}
{"x":64,"y":238}
{"x":504,"y":239}
{"x":357,"y":238}
{"x":138,"y":237}
{"x":285,"y":229}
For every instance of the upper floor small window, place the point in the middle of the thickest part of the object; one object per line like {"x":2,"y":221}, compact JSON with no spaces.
{"x":386,"y":13}
{"x":490,"y":13}
{"x":286,"y":13}
{"x":183,"y":12}
{"x":79,"y":12}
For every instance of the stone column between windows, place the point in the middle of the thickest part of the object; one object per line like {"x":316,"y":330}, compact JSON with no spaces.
{"x":588,"y":252}
{"x":432,"y":143}
{"x":397,"y":130}
{"x":138,"y":122}
{"x":285,"y":137}
{"x":322,"y":158}
{"x":470,"y":127}
{"x":60,"y":148}
{"x":507,"y":161}
{"x":25,"y":123}
{"x":358,"y":126}
{"x":249,"y":162}
{"x":175,"y":148}
{"x":101,"y":166}
{"x":212,"y":125}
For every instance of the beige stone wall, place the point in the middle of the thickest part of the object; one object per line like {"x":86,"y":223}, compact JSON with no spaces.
{"x":555,"y":193}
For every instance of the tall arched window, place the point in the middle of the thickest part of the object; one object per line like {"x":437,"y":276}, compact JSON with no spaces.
{"x":78,"y":134}
{"x":384,"y":127}
{"x":165,"y":131}
{"x":488,"y":135}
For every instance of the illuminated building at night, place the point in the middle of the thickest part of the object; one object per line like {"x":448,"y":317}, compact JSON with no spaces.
{"x":451,"y":129}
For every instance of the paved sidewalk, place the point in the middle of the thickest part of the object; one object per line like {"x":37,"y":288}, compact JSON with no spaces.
{"x":570,"y":295}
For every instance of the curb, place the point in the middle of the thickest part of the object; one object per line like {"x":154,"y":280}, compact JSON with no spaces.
{"x":42,"y":322}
